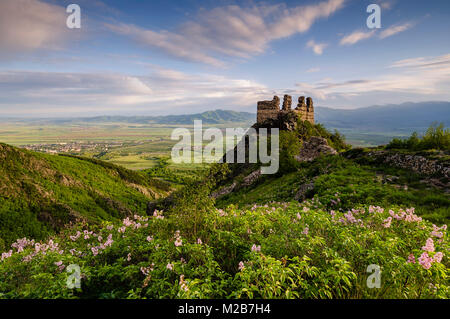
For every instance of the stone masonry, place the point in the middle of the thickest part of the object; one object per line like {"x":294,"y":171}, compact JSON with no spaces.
{"x":305,"y":110}
{"x":287,"y":102}
{"x":271,"y":109}
{"x":268,"y":109}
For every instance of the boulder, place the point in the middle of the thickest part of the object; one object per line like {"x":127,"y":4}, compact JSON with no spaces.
{"x":303,"y":190}
{"x":313,"y":148}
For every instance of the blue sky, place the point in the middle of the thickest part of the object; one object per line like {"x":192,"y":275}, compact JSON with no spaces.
{"x":171,"y":57}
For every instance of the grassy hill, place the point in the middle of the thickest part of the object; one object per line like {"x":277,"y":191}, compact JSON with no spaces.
{"x":40,"y":193}
{"x":260,"y":241}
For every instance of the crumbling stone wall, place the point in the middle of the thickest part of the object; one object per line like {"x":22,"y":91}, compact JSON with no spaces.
{"x":270,"y":110}
{"x":305,"y":110}
{"x":287,"y":102}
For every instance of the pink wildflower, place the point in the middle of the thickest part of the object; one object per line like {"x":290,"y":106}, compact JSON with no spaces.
{"x":183,"y":284}
{"x":425,"y":260}
{"x":387,"y":222}
{"x":429,"y":246}
{"x":305,"y":230}
{"x":94,"y":251}
{"x":256,"y":248}
{"x":438,"y":257}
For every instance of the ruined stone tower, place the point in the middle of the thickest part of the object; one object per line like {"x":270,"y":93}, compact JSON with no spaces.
{"x":271,"y":109}
{"x":268,"y":109}
{"x":305,"y":110}
{"x":287,"y":102}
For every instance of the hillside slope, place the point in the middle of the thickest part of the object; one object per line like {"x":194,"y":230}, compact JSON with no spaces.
{"x":41,"y":193}
{"x":342,"y":183}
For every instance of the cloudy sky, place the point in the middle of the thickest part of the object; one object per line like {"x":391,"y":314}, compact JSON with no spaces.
{"x":170,"y":57}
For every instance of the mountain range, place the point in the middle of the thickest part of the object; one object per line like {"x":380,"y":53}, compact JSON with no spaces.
{"x":400,"y":118}
{"x":393,"y":118}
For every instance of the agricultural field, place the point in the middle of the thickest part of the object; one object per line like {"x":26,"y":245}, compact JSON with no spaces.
{"x":136,"y":146}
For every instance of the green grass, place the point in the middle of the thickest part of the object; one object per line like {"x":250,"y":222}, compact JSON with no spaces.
{"x":355,"y":184}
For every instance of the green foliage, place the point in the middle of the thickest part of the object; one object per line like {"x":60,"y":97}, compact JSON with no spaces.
{"x":125,"y":174}
{"x":162,"y":170}
{"x":283,"y":250}
{"x":436,"y":137}
{"x":191,"y":203}
{"x":356,"y":184}
{"x":289,"y":147}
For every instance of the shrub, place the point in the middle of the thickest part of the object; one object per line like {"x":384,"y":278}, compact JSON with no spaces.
{"x":436,"y":137}
{"x":282,"y":250}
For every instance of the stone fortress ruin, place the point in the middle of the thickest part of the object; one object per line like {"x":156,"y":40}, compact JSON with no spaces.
{"x":270,"y":110}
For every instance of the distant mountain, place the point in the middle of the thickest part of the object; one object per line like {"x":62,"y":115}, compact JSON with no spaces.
{"x":401,"y":118}
{"x":209,"y":117}
{"x":389,"y":119}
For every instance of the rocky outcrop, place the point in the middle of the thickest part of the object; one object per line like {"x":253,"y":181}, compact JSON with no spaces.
{"x":303,"y":190}
{"x":250,"y":179}
{"x":314,"y":147}
{"x":416,"y":163}
{"x":247,"y":181}
{"x":224,"y":191}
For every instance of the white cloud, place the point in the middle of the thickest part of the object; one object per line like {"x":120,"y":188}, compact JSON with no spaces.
{"x":164,"y":91}
{"x":230,"y":31}
{"x":359,"y":35}
{"x":312,"y":70}
{"x":317,"y":47}
{"x":356,"y":36}
{"x":394,"y":30}
{"x":27,"y":25}
{"x":424,"y":77}
{"x":387,"y":5}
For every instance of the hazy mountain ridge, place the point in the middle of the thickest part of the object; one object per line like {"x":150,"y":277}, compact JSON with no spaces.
{"x":208,"y":117}
{"x":401,"y":118}
{"x":405,"y":117}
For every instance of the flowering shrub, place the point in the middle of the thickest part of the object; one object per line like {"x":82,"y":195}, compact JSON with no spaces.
{"x":278,"y":250}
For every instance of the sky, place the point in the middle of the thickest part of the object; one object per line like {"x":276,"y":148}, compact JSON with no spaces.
{"x":139,"y":57}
